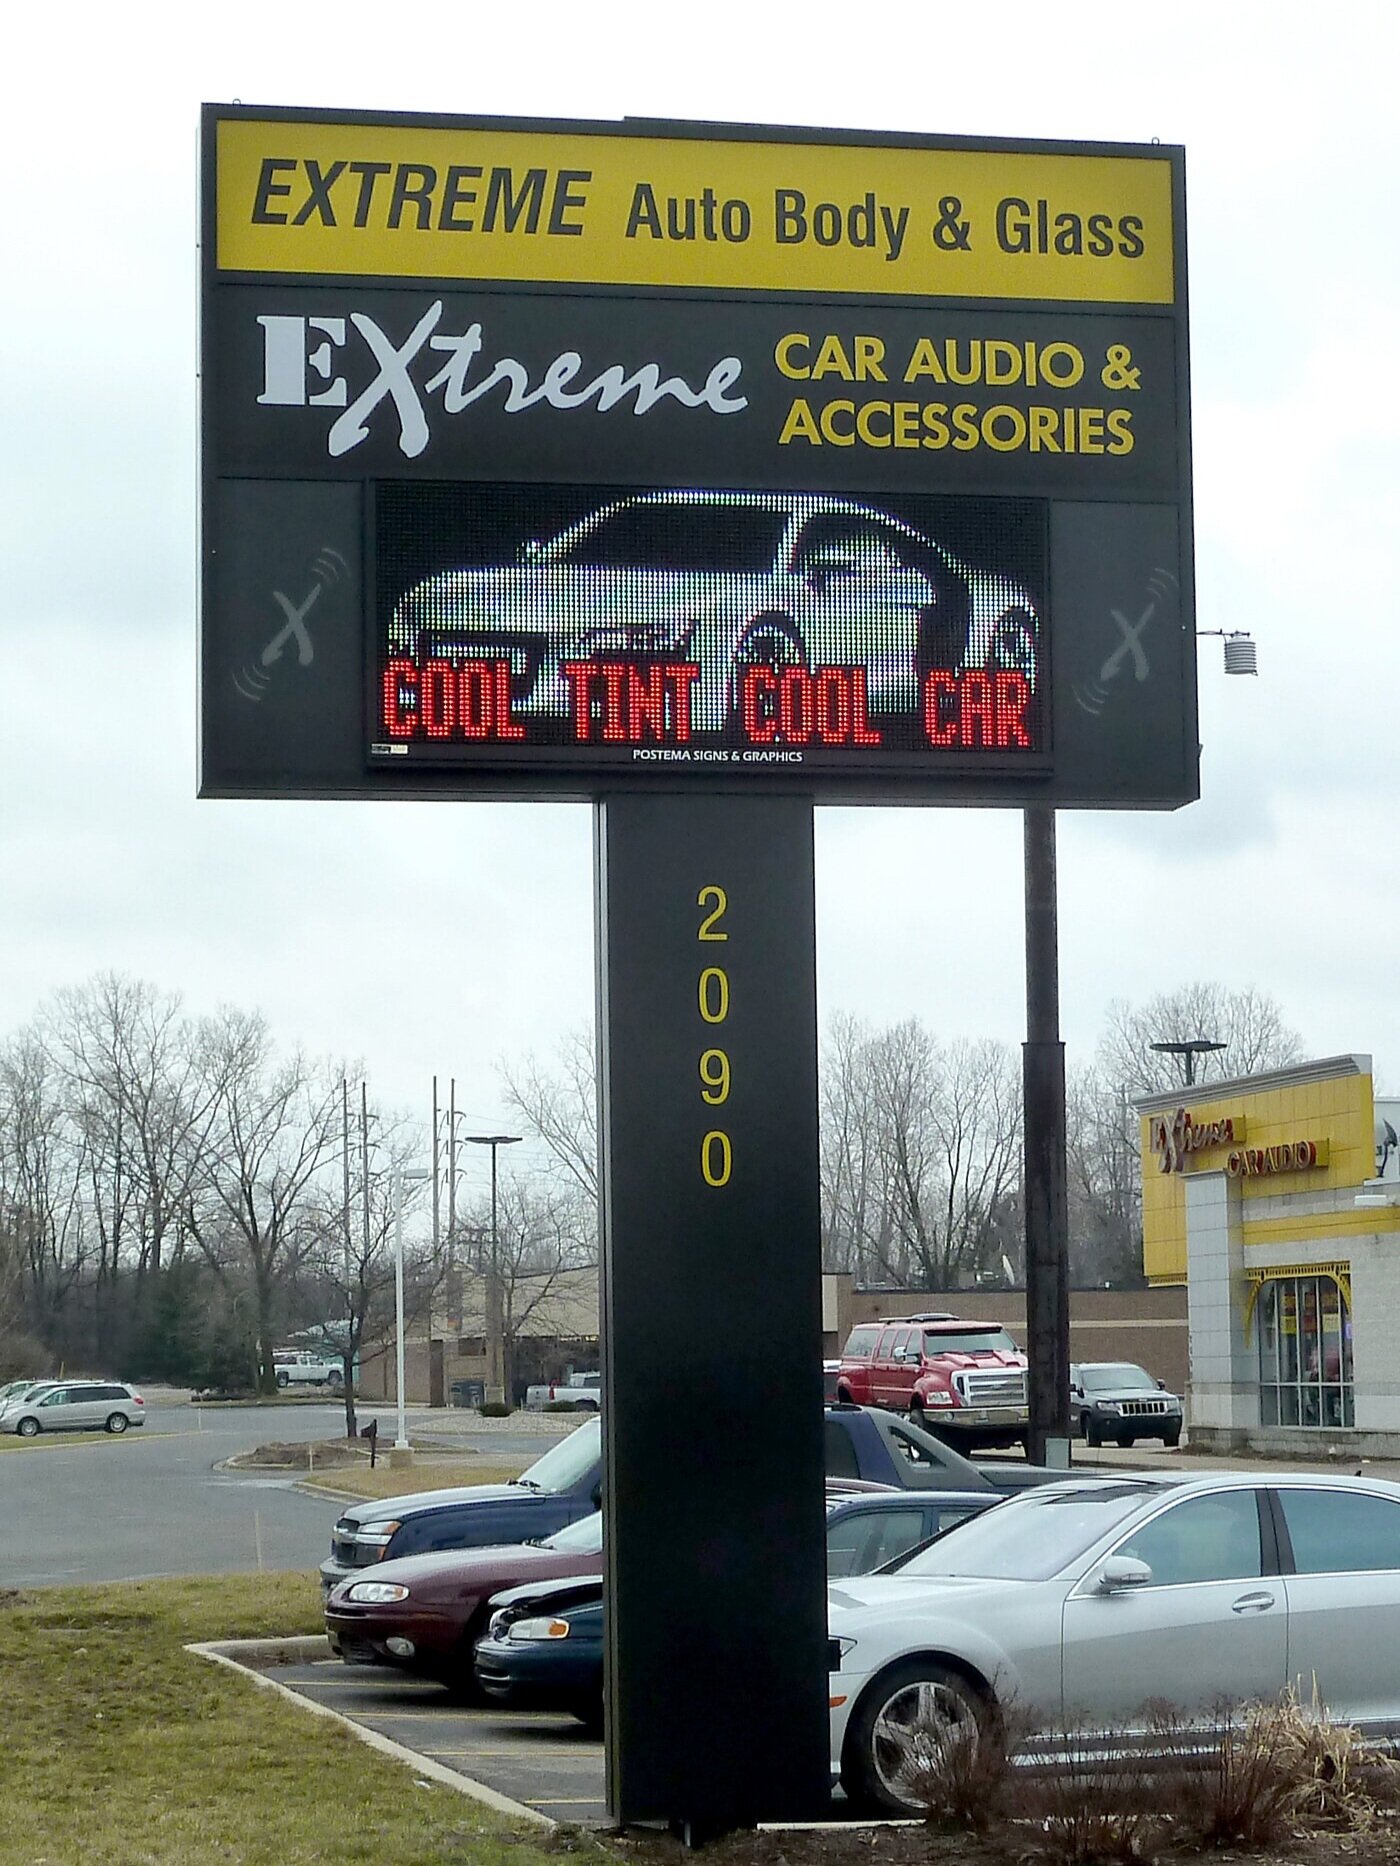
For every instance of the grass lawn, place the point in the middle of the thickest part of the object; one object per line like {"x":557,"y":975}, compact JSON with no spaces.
{"x":122,"y":1749}
{"x":359,"y":1480}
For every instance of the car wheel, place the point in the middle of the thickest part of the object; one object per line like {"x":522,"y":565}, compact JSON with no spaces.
{"x":1128,"y":1440}
{"x":590,"y":1716}
{"x":917,"y":1415}
{"x":768,"y":641}
{"x":28,"y":1428}
{"x":1172,"y":1439}
{"x":903,"y":1728}
{"x":843,"y":1397}
{"x":281,"y":1380}
{"x":1084,"y":1425}
{"x":117,"y":1422}
{"x":336,"y":1379}
{"x":1093,"y":1434}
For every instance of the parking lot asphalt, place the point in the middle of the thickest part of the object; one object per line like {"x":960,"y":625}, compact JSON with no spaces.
{"x":544,"y":1763}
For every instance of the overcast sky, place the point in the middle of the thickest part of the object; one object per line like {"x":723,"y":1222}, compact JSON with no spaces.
{"x":429,"y":938}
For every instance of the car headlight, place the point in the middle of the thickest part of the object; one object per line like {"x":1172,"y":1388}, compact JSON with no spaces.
{"x":376,"y":1536}
{"x":836,"y":1650}
{"x":540,"y":1628}
{"x":376,"y":1593}
{"x":1110,"y":1405}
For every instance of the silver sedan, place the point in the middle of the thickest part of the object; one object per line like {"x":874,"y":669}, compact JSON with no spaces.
{"x":1083,"y":1602}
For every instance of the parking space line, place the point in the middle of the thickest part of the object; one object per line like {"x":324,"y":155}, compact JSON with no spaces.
{"x":579,"y":1752}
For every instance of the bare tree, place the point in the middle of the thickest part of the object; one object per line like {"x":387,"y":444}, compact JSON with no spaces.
{"x":42,"y":1174}
{"x":275,"y":1126}
{"x":1104,"y":1182}
{"x":1249,"y":1023}
{"x":350,"y":1262}
{"x":855,"y":1223}
{"x":542,"y":1257}
{"x":561,"y":1106}
{"x":143,"y":1102}
{"x":921,"y":1153}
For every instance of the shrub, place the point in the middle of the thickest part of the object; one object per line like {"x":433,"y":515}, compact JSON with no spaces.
{"x":963,"y":1772}
{"x":494,"y":1409}
{"x":1272,"y":1766}
{"x":1089,"y":1806}
{"x":1083,"y":1794}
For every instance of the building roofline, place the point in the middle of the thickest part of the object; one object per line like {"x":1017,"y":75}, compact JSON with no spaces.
{"x":1296,"y":1075}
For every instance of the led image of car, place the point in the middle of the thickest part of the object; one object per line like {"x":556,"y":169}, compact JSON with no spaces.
{"x":727,"y":581}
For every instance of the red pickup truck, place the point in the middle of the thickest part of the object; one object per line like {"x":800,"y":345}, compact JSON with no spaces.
{"x":964,"y":1380}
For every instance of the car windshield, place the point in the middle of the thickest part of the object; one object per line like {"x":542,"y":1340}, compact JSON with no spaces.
{"x":1029,"y":1537}
{"x":968,"y":1341}
{"x":562,"y":1466}
{"x":723,"y":534}
{"x":1116,"y":1377}
{"x":585,"y":1537}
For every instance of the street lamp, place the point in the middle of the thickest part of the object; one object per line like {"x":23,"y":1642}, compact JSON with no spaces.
{"x":401,"y":1174}
{"x":1188,"y":1049}
{"x":495,"y":1388}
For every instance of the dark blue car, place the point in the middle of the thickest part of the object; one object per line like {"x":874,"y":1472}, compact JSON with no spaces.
{"x":558,"y":1488}
{"x":543,"y":1648}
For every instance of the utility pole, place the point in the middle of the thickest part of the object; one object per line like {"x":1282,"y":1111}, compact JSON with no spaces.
{"x":495,"y":1307}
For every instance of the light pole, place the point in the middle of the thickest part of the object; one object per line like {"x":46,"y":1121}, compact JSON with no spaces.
{"x":495,"y":1368}
{"x":1188,"y":1049}
{"x":401,"y":1452}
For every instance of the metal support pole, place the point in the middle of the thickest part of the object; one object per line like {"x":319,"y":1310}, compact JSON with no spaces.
{"x":496,"y":1389}
{"x":401,"y":1441}
{"x":1046,"y":1193}
{"x":437,"y":1187}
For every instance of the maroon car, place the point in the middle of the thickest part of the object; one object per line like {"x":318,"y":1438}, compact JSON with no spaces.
{"x":423,"y":1613}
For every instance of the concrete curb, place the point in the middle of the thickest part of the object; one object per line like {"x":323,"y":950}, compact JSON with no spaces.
{"x":242,"y":1655}
{"x":312,"y":1487}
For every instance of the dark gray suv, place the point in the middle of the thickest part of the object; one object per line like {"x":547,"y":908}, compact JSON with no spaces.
{"x":1116,"y":1402}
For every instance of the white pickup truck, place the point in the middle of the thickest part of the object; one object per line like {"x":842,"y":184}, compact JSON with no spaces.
{"x":583,"y":1392}
{"x":295,"y":1368}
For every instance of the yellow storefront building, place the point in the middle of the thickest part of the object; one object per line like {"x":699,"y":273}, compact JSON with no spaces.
{"x":1275,"y":1199}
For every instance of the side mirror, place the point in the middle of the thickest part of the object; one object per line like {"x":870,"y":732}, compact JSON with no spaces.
{"x":1121,"y":1573}
{"x":1078,"y":1392}
{"x":1161,"y":1386}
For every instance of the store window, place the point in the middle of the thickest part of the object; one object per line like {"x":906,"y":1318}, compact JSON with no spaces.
{"x":1305,"y":1376}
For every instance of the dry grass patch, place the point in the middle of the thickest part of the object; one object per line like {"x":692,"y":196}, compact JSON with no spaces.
{"x":437,"y":1473}
{"x":123,"y":1749}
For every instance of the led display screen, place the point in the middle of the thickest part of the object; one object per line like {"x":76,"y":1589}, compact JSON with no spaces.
{"x":709,"y":631}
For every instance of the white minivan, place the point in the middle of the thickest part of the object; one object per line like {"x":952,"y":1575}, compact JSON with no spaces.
{"x":74,"y":1406}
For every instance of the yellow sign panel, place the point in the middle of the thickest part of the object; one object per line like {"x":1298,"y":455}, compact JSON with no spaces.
{"x":407,"y":202}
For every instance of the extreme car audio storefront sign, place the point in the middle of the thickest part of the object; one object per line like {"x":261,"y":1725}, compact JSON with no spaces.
{"x":543,"y":459}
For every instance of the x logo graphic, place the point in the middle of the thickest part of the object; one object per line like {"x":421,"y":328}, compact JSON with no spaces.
{"x":1131,"y":644}
{"x":295,"y":630}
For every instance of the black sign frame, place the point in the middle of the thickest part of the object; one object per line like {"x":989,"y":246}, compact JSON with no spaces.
{"x":276,"y":725}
